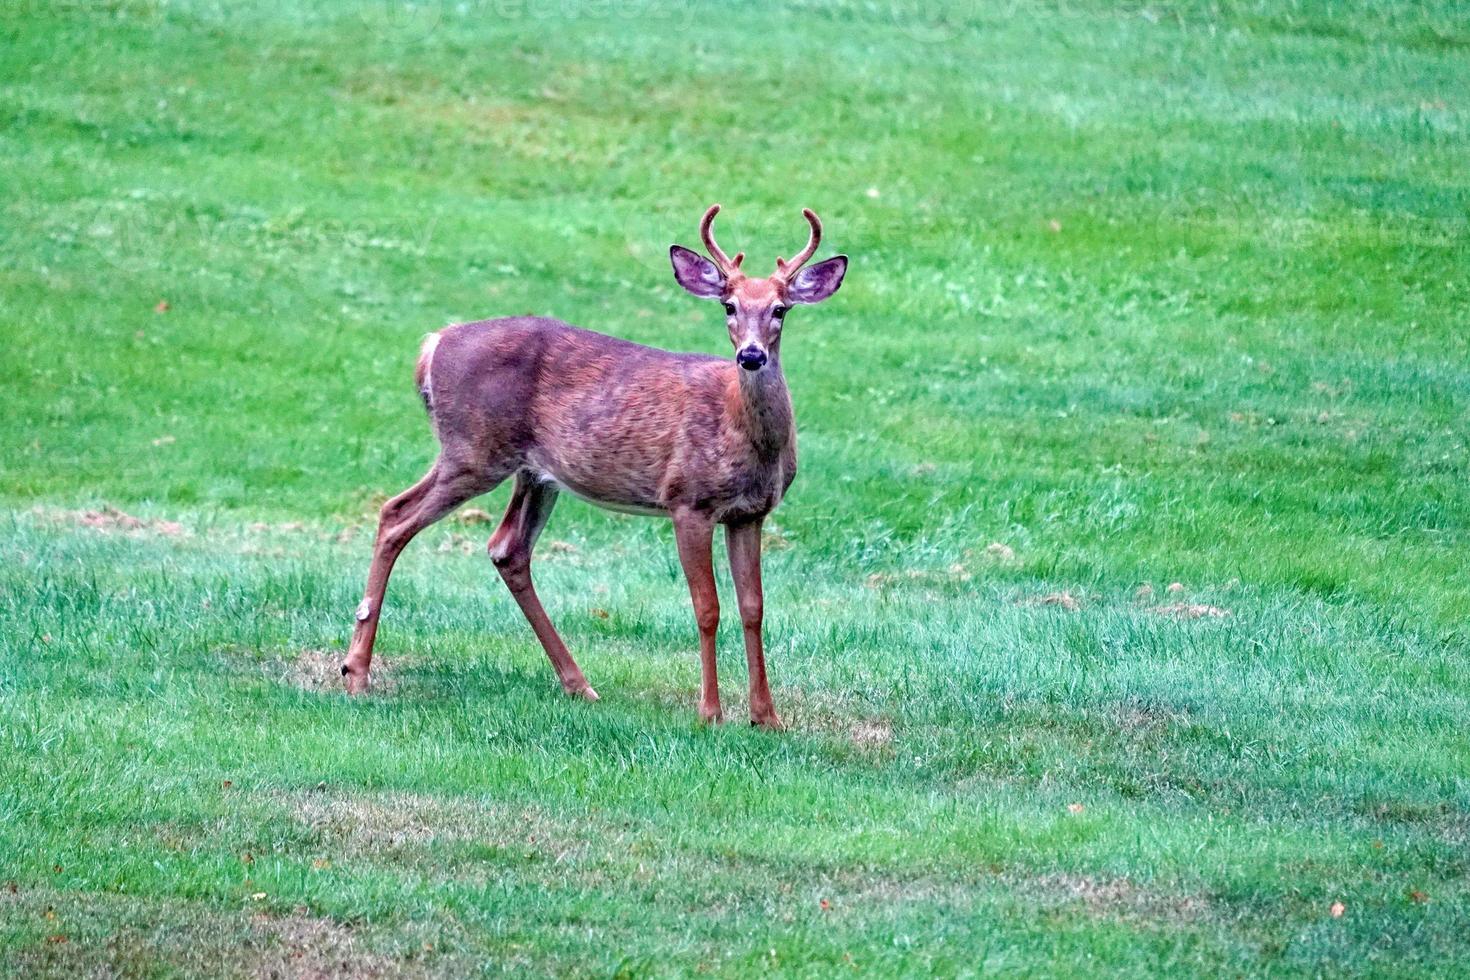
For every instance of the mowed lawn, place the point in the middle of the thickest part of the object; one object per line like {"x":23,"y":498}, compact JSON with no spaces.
{"x":1118,"y":613}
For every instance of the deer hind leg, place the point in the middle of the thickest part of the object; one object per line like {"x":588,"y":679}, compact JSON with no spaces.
{"x":444,"y":488}
{"x":510,"y":549}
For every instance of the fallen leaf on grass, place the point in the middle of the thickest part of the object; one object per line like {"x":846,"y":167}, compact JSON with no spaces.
{"x":1075,"y":808}
{"x":1175,"y":587}
{"x":1000,"y":552}
{"x":1337,"y":910}
{"x":474,"y":515}
{"x":1418,"y":897}
{"x":162,"y":306}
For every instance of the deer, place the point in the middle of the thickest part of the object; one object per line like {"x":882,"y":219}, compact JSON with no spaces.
{"x":698,"y":439}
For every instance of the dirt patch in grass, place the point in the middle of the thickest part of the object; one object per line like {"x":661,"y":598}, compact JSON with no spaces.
{"x":110,"y":520}
{"x":371,"y":824}
{"x":802,"y":711}
{"x":1441,"y":818}
{"x":1061,"y":600}
{"x":370,"y":821}
{"x":68,"y":934}
{"x":1094,"y":896}
{"x":1136,"y":716}
{"x":1190,"y":610}
{"x":843,"y":718}
{"x":954,"y":574}
{"x":301,"y":945}
{"x":321,"y":671}
{"x":1115,"y":897}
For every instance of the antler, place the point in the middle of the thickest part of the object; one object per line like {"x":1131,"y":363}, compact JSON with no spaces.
{"x":727,"y":265}
{"x":786,"y":269}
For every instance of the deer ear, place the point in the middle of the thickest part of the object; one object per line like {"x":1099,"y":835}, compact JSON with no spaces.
{"x":816,"y":282}
{"x":696,"y":273}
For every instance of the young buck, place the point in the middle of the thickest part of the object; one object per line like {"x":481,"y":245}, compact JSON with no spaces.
{"x":700,"y":439}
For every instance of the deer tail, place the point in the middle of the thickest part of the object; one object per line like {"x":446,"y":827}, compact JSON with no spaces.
{"x":423,"y":371}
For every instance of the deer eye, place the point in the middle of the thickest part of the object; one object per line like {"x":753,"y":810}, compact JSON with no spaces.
{"x":779,"y":312}
{"x":729,"y":309}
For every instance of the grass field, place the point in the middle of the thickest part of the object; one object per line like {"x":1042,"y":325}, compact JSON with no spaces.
{"x":1119,"y":612}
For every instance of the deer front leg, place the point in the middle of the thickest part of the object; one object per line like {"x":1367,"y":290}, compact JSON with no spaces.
{"x":743,"y":541}
{"x":694,"y":534}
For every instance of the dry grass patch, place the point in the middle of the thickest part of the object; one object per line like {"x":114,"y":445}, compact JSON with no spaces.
{"x":1190,"y":610}
{"x":835,"y":716}
{"x":1133,"y":717}
{"x":1061,"y":600}
{"x":109,"y":520}
{"x":955,"y":574}
{"x":1119,"y":898}
{"x":306,"y":946}
{"x":321,"y":671}
{"x":378,"y":820}
{"x":370,"y":824}
{"x":104,"y":935}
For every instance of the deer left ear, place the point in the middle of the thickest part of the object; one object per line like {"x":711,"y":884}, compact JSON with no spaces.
{"x":696,"y":273}
{"x":816,"y":282}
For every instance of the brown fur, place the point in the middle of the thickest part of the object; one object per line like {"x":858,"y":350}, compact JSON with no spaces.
{"x":628,"y":427}
{"x":625,"y":426}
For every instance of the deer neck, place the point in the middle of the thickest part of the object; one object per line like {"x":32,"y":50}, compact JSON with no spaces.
{"x":764,"y":408}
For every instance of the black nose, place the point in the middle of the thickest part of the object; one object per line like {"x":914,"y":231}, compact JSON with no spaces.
{"x":751,"y":358}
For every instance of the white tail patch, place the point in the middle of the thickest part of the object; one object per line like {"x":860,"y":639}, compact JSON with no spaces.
{"x":426,"y":369}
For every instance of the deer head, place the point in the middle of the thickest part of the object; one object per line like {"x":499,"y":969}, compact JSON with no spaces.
{"x":755,"y":309}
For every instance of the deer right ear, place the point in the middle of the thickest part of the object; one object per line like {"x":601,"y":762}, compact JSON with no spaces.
{"x":696,"y":273}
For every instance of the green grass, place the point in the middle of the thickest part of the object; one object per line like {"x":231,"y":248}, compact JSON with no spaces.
{"x":1147,"y":293}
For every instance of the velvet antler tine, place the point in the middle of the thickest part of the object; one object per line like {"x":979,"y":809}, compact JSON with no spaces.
{"x":787,"y":269}
{"x":727,"y":265}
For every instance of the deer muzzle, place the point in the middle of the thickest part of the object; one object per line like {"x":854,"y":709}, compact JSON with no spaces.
{"x":751,"y":357}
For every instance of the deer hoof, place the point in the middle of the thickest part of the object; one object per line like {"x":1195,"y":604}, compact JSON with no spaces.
{"x":355,"y":682}
{"x":711,"y":715}
{"x":767,"y":720}
{"x":584,"y":692}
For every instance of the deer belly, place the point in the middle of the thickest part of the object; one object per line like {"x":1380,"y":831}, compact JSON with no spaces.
{"x":623,"y":497}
